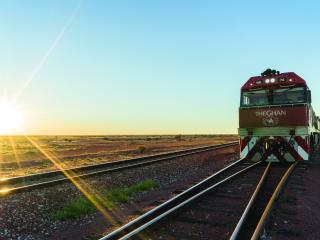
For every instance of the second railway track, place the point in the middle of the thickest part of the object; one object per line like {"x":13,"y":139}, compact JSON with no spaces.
{"x":35,"y":181}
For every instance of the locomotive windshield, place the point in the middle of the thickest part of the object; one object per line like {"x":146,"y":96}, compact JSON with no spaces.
{"x":273,"y":96}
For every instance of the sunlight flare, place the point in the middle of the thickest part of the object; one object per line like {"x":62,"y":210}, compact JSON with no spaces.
{"x":4,"y":191}
{"x":92,"y":195}
{"x":11,"y":118}
{"x":14,"y":150}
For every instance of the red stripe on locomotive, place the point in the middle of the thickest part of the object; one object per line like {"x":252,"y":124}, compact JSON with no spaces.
{"x":273,"y":117}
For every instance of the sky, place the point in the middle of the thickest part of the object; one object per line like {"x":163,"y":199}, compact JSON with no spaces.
{"x":148,"y":67}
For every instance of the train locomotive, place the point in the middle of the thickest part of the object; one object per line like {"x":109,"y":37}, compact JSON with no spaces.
{"x":276,"y":119}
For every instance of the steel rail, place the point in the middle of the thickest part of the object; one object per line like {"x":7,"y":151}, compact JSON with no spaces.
{"x":253,"y":200}
{"x":269,"y":206}
{"x":250,"y":203}
{"x":137,"y":225}
{"x":113,"y":166}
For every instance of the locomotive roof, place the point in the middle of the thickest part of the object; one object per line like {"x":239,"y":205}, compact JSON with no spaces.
{"x":274,"y":80}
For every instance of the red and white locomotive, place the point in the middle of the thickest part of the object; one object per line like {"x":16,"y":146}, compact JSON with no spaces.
{"x":276,"y":119}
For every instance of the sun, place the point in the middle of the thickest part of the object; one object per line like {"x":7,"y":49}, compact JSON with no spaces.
{"x":10,"y":118}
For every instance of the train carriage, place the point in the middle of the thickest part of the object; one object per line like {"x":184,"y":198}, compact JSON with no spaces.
{"x":276,"y":119}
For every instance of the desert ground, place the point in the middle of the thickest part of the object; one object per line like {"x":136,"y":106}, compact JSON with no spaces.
{"x":20,"y":156}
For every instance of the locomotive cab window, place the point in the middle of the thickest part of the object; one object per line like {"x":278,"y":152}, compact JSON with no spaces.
{"x":289,"y":95}
{"x":255,"y":98}
{"x":273,"y":96}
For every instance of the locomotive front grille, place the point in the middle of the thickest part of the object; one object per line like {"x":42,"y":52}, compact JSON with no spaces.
{"x":273,"y":131}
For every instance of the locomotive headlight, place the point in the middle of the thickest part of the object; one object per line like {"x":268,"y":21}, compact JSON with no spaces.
{"x":267,"y":80}
{"x":272,"y":80}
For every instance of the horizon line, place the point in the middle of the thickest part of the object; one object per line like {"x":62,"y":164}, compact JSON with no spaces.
{"x":79,"y":135}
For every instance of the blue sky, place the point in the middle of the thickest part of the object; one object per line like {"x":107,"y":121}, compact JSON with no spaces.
{"x":148,"y":67}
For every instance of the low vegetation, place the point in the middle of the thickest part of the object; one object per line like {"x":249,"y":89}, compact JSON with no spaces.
{"x":178,"y":138}
{"x":141,"y":149}
{"x":82,"y":206}
{"x":32,"y":151}
{"x":74,"y":209}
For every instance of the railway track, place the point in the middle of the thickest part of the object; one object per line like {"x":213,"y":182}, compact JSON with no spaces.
{"x":212,"y":208}
{"x":36,"y":181}
{"x":254,"y":218}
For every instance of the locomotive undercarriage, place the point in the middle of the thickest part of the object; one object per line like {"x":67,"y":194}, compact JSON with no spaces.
{"x":275,"y":148}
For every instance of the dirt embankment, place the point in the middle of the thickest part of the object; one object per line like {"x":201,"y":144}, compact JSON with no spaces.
{"x":20,"y":157}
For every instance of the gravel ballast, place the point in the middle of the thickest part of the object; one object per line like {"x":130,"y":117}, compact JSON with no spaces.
{"x":28,"y":215}
{"x":297,"y":212}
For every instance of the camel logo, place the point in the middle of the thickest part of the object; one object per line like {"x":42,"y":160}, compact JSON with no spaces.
{"x":270,"y":118}
{"x":270,"y":121}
